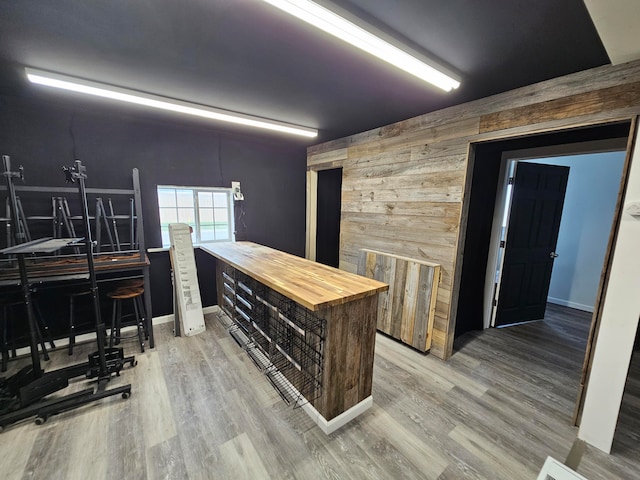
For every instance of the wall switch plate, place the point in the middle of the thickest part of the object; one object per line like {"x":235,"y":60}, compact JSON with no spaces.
{"x":237,"y":193}
{"x":633,"y":209}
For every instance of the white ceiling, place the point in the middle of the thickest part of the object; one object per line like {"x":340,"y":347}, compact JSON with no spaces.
{"x":618,"y":24}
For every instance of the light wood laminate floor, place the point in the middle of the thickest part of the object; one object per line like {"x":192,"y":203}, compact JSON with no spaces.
{"x":200,"y":409}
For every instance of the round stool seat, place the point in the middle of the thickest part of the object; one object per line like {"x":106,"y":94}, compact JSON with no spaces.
{"x":133,"y":292}
{"x":125,"y":293}
{"x":134,"y":282}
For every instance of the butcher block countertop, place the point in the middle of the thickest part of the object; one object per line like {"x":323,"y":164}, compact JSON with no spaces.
{"x":311,"y":284}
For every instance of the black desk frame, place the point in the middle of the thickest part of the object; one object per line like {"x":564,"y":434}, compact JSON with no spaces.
{"x":139,"y":233}
{"x":31,"y":385}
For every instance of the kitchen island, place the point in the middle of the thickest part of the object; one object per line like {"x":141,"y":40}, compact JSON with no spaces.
{"x":310,"y":327}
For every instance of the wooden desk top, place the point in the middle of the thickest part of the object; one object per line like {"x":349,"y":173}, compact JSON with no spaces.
{"x":311,"y":284}
{"x":41,"y":268}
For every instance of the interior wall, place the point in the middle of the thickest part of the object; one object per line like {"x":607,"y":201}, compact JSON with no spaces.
{"x":473,"y":311}
{"x":587,"y":216}
{"x":619,"y":323}
{"x":44,"y":134}
{"x":484,"y":183}
{"x":405,"y":184}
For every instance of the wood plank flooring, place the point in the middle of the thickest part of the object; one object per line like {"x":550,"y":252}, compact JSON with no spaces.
{"x":200,"y":409}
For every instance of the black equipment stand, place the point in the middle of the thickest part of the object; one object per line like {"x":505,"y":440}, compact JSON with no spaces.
{"x":22,"y":395}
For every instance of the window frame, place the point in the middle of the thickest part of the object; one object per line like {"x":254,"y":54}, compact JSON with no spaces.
{"x":197,"y":230}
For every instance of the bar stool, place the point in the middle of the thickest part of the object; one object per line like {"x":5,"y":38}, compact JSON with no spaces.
{"x":135,"y":295}
{"x":8,"y":303}
{"x":72,"y":326}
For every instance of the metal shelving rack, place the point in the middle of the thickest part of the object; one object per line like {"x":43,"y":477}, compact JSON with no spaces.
{"x":284,"y":339}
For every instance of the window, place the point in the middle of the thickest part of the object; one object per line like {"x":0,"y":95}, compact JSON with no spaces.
{"x":209,"y":211}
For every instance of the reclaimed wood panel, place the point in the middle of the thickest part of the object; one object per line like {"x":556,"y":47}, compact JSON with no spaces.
{"x":417,"y":210}
{"x":419,"y":167}
{"x":620,"y":96}
{"x":312,"y":285}
{"x":401,"y":138}
{"x":410,"y":166}
{"x":407,"y":310}
{"x":329,"y":157}
{"x":349,"y":353}
{"x":408,"y":181}
{"x":588,"y":80}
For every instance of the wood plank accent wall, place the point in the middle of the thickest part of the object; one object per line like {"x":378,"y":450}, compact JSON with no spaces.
{"x":407,"y":310}
{"x":403,"y":184}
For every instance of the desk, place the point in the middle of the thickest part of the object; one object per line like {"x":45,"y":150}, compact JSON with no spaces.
{"x":316,"y":324}
{"x":32,"y":388}
{"x":48,"y":269}
{"x":44,"y":245}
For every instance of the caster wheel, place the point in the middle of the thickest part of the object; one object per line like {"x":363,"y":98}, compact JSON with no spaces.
{"x":126,"y":395}
{"x":134,"y":363}
{"x":40,"y":420}
{"x":1,"y":428}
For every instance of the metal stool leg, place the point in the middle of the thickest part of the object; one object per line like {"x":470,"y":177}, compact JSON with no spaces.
{"x":43,"y":323}
{"x":119,"y":322}
{"x":113,"y":323}
{"x":145,"y":321}
{"x":45,"y":354}
{"x":5,"y":344}
{"x":72,"y":327}
{"x":139,"y":325}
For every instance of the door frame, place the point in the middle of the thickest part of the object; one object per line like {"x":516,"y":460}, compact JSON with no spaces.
{"x":494,"y":261}
{"x":312,"y":215}
{"x":311,"y":227}
{"x":594,"y":429}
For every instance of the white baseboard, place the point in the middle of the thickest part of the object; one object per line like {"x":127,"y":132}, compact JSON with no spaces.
{"x":162,"y":319}
{"x":91,"y":337}
{"x":330,"y":426}
{"x":567,"y":303}
{"x":169,"y":318}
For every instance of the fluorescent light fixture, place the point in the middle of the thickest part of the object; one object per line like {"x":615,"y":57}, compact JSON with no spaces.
{"x":154,"y":101}
{"x":340,"y":27}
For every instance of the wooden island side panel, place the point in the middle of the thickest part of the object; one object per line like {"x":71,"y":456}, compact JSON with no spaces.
{"x":349,"y":351}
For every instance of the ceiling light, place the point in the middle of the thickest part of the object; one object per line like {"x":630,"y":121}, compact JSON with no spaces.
{"x":154,"y":101}
{"x":344,"y":29}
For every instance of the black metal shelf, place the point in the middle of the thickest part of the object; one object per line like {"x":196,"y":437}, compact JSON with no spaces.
{"x":284,"y":339}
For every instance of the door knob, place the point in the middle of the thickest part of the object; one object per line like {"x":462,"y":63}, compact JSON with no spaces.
{"x":553,"y":255}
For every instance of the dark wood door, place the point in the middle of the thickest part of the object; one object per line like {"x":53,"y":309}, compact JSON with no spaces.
{"x":534,"y":222}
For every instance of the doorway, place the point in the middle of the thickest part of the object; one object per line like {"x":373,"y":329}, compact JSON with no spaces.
{"x":476,"y":279}
{"x":578,"y":242}
{"x":328,"y":216}
{"x":528,"y":245}
{"x":487,"y":171}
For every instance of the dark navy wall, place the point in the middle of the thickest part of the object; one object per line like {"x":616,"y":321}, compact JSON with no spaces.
{"x":43,"y":133}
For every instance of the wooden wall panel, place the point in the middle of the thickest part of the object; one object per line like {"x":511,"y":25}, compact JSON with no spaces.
{"x":589,"y":103}
{"x":407,"y":310}
{"x":589,"y":80}
{"x":404,"y":184}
